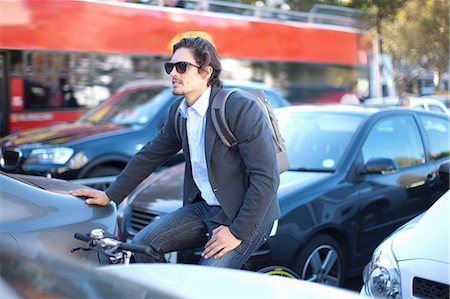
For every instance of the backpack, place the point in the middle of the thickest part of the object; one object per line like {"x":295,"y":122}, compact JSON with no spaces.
{"x":227,"y":137}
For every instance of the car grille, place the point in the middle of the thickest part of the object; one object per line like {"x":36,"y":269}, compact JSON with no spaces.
{"x":423,"y":288}
{"x":139,"y":219}
{"x":10,"y":158}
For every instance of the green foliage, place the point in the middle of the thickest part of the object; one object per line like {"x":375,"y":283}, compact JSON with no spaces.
{"x":415,"y":32}
{"x":420,"y":34}
{"x":382,"y":9}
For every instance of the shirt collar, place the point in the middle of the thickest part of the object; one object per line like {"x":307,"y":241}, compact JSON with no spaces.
{"x":200,"y":106}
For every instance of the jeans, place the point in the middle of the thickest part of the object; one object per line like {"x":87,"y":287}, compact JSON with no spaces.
{"x":189,"y":228}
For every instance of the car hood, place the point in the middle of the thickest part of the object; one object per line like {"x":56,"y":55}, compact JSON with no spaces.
{"x":53,"y":185}
{"x":163,"y":192}
{"x":58,"y":134}
{"x":196,"y":281}
{"x":428,"y":237}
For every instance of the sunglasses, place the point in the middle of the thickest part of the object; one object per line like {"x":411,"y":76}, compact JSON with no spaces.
{"x":180,"y":66}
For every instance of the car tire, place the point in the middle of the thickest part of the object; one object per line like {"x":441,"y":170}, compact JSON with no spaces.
{"x":322,"y":261}
{"x":102,"y":171}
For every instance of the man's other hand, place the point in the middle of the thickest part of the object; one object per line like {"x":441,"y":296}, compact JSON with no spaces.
{"x":221,"y":242}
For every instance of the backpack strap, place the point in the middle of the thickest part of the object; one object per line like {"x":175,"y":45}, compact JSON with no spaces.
{"x":218,"y":118}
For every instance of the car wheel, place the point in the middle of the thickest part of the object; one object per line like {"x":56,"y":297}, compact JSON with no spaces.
{"x":322,"y":261}
{"x":278,"y":271}
{"x":102,"y":171}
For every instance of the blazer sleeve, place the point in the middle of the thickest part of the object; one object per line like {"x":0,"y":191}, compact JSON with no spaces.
{"x":258,"y":155}
{"x":154,"y":154}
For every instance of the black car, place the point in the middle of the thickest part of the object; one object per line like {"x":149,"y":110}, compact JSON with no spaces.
{"x":356,"y":175}
{"x":102,"y":141}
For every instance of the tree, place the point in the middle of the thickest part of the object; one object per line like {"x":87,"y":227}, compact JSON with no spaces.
{"x":381,"y":10}
{"x":419,"y":35}
{"x":415,"y":32}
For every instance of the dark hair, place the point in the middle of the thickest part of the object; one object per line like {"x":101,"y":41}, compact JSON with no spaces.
{"x":205,"y":54}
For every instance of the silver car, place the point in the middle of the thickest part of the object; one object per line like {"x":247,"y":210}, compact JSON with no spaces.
{"x":39,"y":212}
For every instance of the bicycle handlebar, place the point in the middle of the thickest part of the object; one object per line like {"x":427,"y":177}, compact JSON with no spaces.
{"x":82,"y":237}
{"x":110,"y":243}
{"x":135,"y":248}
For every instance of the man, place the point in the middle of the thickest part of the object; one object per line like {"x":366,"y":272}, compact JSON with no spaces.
{"x":229,"y":201}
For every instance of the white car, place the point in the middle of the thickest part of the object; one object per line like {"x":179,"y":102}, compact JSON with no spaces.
{"x":422,"y":103}
{"x":413,"y":262}
{"x":33,"y":274}
{"x":196,"y":281}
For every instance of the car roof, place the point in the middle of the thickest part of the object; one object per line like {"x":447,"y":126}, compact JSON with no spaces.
{"x":335,"y":108}
{"x":394,"y":101}
{"x":361,"y":110}
{"x":422,"y":103}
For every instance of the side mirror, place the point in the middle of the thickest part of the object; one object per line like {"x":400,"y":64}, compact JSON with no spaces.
{"x":443,"y":172}
{"x":379,"y":165}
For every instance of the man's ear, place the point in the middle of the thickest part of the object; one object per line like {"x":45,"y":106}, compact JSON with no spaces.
{"x":206,"y":72}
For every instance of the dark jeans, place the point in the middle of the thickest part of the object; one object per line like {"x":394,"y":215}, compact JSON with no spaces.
{"x":189,"y":228}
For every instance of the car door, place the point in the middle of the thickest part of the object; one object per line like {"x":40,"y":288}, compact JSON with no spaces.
{"x":389,"y":199}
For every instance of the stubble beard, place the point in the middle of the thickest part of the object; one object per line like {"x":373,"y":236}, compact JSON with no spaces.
{"x":177,"y":93}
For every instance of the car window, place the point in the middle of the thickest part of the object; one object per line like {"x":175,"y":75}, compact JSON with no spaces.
{"x":435,"y":108}
{"x":397,"y":138}
{"x":419,"y":107}
{"x":437,"y":131}
{"x":133,"y":108}
{"x":316,"y":141}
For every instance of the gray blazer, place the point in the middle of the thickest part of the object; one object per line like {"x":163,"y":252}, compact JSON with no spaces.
{"x":245,"y":182}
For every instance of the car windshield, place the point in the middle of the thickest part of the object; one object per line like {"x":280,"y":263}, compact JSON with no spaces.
{"x":318,"y":139}
{"x":132,"y":108}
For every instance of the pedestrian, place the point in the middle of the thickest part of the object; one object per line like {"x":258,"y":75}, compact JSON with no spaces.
{"x":351,"y":97}
{"x":229,"y":200}
{"x":404,"y":100}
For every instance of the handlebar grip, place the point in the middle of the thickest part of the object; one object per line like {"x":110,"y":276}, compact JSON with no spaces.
{"x":135,"y":248}
{"x":82,"y":237}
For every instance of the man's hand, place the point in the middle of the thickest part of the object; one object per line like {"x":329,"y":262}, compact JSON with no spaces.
{"x":94,"y":197}
{"x":221,"y":242}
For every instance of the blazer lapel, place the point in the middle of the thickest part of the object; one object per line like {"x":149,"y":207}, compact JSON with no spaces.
{"x":185,"y":143}
{"x":210,"y":132}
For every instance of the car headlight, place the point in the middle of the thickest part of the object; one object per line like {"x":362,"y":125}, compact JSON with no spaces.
{"x":382,"y":276}
{"x":53,"y":155}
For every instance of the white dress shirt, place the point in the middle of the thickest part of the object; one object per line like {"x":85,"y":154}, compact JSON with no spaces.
{"x":195,"y":126}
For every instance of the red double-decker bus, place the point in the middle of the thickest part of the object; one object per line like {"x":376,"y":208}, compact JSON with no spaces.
{"x":58,"y":58}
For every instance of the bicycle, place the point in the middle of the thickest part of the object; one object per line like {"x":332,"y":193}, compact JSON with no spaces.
{"x":119,"y":252}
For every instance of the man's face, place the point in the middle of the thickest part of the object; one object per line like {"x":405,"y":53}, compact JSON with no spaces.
{"x":191,"y":84}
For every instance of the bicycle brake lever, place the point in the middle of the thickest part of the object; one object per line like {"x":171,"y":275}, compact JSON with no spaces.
{"x":80,"y":248}
{"x":114,"y":249}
